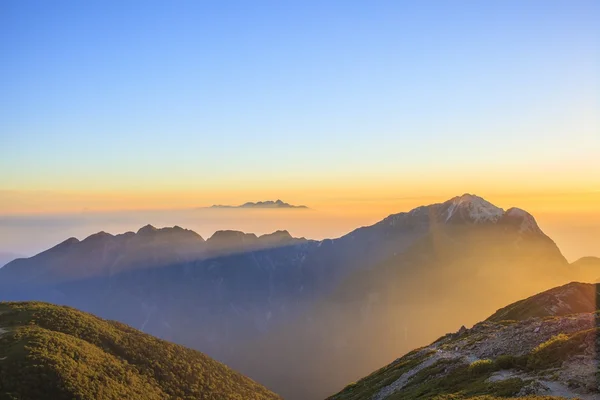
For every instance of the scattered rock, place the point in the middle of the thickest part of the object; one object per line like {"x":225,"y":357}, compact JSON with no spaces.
{"x":533,"y":387}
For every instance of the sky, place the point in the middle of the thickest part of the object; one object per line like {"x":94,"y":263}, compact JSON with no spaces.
{"x":341,"y":105}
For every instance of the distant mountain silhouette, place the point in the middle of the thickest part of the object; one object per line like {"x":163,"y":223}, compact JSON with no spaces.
{"x":261,"y":204}
{"x":106,"y":255}
{"x":588,"y":266}
{"x":334,"y":309}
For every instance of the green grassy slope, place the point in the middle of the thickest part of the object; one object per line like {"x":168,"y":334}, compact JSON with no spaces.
{"x":49,"y":351}
{"x":443,"y":380}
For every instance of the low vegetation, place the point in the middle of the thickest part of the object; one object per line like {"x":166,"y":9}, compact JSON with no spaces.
{"x":454,"y":379}
{"x":373,"y":383}
{"x":556,"y":350}
{"x":53,"y":352}
{"x":457,"y":379}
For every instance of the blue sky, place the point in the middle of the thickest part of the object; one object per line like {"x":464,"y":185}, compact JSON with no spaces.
{"x":122,"y":95}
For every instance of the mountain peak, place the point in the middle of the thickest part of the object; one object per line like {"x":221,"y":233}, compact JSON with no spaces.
{"x":280,"y":233}
{"x":466,"y":197}
{"x":469,"y":207}
{"x":97,"y":237}
{"x":227,"y":235}
{"x":281,"y":236}
{"x":174,"y":232}
{"x":69,"y":241}
{"x":145,"y":230}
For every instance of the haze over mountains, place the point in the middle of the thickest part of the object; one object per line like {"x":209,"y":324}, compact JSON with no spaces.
{"x":305,"y":317}
{"x":28,"y":234}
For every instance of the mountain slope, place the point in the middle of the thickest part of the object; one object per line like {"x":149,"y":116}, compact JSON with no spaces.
{"x":407,"y":280}
{"x":48,"y":351}
{"x":548,"y":354}
{"x":569,"y":299}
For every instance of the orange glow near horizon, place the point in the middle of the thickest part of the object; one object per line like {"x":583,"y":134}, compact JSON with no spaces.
{"x":369,"y":199}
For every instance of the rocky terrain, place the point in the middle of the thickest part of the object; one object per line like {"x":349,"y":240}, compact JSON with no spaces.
{"x":554,"y":353}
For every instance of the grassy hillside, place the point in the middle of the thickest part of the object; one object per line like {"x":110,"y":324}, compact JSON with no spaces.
{"x":49,"y":351}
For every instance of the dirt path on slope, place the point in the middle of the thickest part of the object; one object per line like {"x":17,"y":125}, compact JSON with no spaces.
{"x":399,"y":383}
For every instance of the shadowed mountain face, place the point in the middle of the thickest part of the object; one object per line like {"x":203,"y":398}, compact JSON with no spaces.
{"x":52,"y":352}
{"x":304,"y":317}
{"x":542,"y":346}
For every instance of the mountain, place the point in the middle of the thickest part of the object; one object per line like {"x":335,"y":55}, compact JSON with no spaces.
{"x":103,"y":254}
{"x":408,"y":279}
{"x":332,"y":309}
{"x":548,"y":347}
{"x":588,"y":266}
{"x":106,"y":255}
{"x":262,"y":204}
{"x":47,"y":351}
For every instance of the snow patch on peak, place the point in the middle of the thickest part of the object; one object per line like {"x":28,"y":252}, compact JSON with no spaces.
{"x":474,"y":207}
